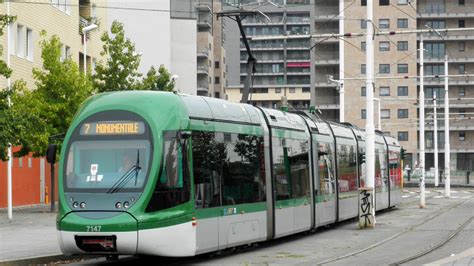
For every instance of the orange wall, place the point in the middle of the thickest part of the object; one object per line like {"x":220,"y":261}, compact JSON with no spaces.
{"x":25,"y":182}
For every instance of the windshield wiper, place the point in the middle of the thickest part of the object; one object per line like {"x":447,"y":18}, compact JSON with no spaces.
{"x":123,"y":180}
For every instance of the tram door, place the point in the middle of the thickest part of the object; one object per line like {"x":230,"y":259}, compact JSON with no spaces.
{"x":325,"y":184}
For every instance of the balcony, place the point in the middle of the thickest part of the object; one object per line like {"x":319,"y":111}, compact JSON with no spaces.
{"x":442,"y":14}
{"x":203,"y":70}
{"x":204,"y":23}
{"x":440,"y":60}
{"x":204,"y":6}
{"x":204,"y":54}
{"x":326,"y":62}
{"x":452,"y":36}
{"x":325,"y":13}
{"x":203,"y":87}
{"x":452,"y":81}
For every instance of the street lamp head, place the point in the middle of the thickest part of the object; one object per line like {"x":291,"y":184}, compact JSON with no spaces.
{"x":91,"y":27}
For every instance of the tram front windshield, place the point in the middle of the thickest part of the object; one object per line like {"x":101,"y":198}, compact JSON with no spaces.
{"x":107,"y":165}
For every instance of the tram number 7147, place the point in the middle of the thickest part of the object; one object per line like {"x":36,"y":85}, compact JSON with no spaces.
{"x":93,"y":228}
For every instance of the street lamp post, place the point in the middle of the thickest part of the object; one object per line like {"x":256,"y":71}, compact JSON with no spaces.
{"x":435,"y":136}
{"x":85,"y":30}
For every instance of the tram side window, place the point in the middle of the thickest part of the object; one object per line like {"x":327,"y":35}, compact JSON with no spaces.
{"x":173,"y":185}
{"x":243,"y":176}
{"x":327,"y":183}
{"x":208,"y":157}
{"x":347,"y":167}
{"x":290,"y":168}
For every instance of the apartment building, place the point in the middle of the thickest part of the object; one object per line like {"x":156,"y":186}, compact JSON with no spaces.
{"x":284,"y":66}
{"x":459,"y":47}
{"x":211,"y":55}
{"x":63,"y":18}
{"x":395,"y":56}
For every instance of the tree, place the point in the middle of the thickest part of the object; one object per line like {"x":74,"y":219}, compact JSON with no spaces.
{"x":120,"y":71}
{"x":7,"y":135}
{"x":160,"y":81}
{"x":60,"y":89}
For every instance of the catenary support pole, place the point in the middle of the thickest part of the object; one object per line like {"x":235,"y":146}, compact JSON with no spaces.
{"x":10,"y":159}
{"x":422,"y":126}
{"x":447,"y":148}
{"x":435,"y":136}
{"x":369,"y":125}
{"x":341,"y":63}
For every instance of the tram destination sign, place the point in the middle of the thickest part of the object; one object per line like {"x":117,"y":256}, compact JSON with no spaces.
{"x":113,"y":128}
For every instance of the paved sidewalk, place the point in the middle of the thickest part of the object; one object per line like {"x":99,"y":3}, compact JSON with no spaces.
{"x":31,"y":233}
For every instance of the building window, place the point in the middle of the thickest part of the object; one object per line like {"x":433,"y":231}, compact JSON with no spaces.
{"x":217,"y":80}
{"x":363,"y":91}
{"x":402,"y":23}
{"x":462,"y":91}
{"x":461,"y":23}
{"x":462,"y":135}
{"x":216,"y":65}
{"x":384,"y":46}
{"x":30,"y":163}
{"x":363,"y":24}
{"x":384,"y":91}
{"x":363,"y":46}
{"x":384,"y":2}
{"x":462,"y":113}
{"x":306,"y":90}
{"x":363,"y":114}
{"x":402,"y":90}
{"x":402,"y":113}
{"x":461,"y":2}
{"x":402,"y":68}
{"x":435,"y":50}
{"x":402,"y":45}
{"x":363,"y":2}
{"x":362,"y":69}
{"x":20,"y":40}
{"x":384,"y":68}
{"x":29,"y":44}
{"x":384,"y":23}
{"x":461,"y":46}
{"x":292,"y":90}
{"x":462,"y":69}
{"x":403,"y":2}
{"x":385,"y":113}
{"x":402,"y":135}
{"x":277,"y":90}
{"x":20,"y":162}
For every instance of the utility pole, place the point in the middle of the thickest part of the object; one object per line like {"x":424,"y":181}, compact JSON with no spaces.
{"x":369,"y":125}
{"x":422,"y":125}
{"x":341,"y":63}
{"x":379,"y":116}
{"x":435,"y":140}
{"x":10,"y":159}
{"x":447,"y":149}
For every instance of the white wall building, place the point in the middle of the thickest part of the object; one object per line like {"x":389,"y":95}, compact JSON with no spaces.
{"x":162,"y":36}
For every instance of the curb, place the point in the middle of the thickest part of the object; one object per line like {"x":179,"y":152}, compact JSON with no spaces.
{"x":47,"y":259}
{"x":441,"y":185}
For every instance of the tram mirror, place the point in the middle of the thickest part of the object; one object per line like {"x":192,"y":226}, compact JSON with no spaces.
{"x":51,"y":153}
{"x":185,"y":134}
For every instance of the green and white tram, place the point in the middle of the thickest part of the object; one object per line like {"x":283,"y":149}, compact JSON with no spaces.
{"x":176,"y":175}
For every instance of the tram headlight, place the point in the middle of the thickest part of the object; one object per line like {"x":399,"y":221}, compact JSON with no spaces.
{"x":75,"y":204}
{"x":126,"y":204}
{"x":118,"y":205}
{"x":83,"y":205}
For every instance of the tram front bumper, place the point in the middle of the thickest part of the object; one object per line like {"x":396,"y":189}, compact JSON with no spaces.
{"x":114,"y":235}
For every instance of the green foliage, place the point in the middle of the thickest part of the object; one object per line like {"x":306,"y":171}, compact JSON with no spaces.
{"x":160,"y":81}
{"x":120,"y":71}
{"x":49,"y":109}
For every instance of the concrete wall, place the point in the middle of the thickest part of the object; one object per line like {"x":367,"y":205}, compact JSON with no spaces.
{"x":150,"y":31}
{"x":183,"y":54}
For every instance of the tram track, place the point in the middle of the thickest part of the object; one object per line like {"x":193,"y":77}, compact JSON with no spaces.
{"x":410,"y":229}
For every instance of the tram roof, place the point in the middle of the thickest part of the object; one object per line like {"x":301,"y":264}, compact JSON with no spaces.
{"x":200,"y":107}
{"x":277,"y":118}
